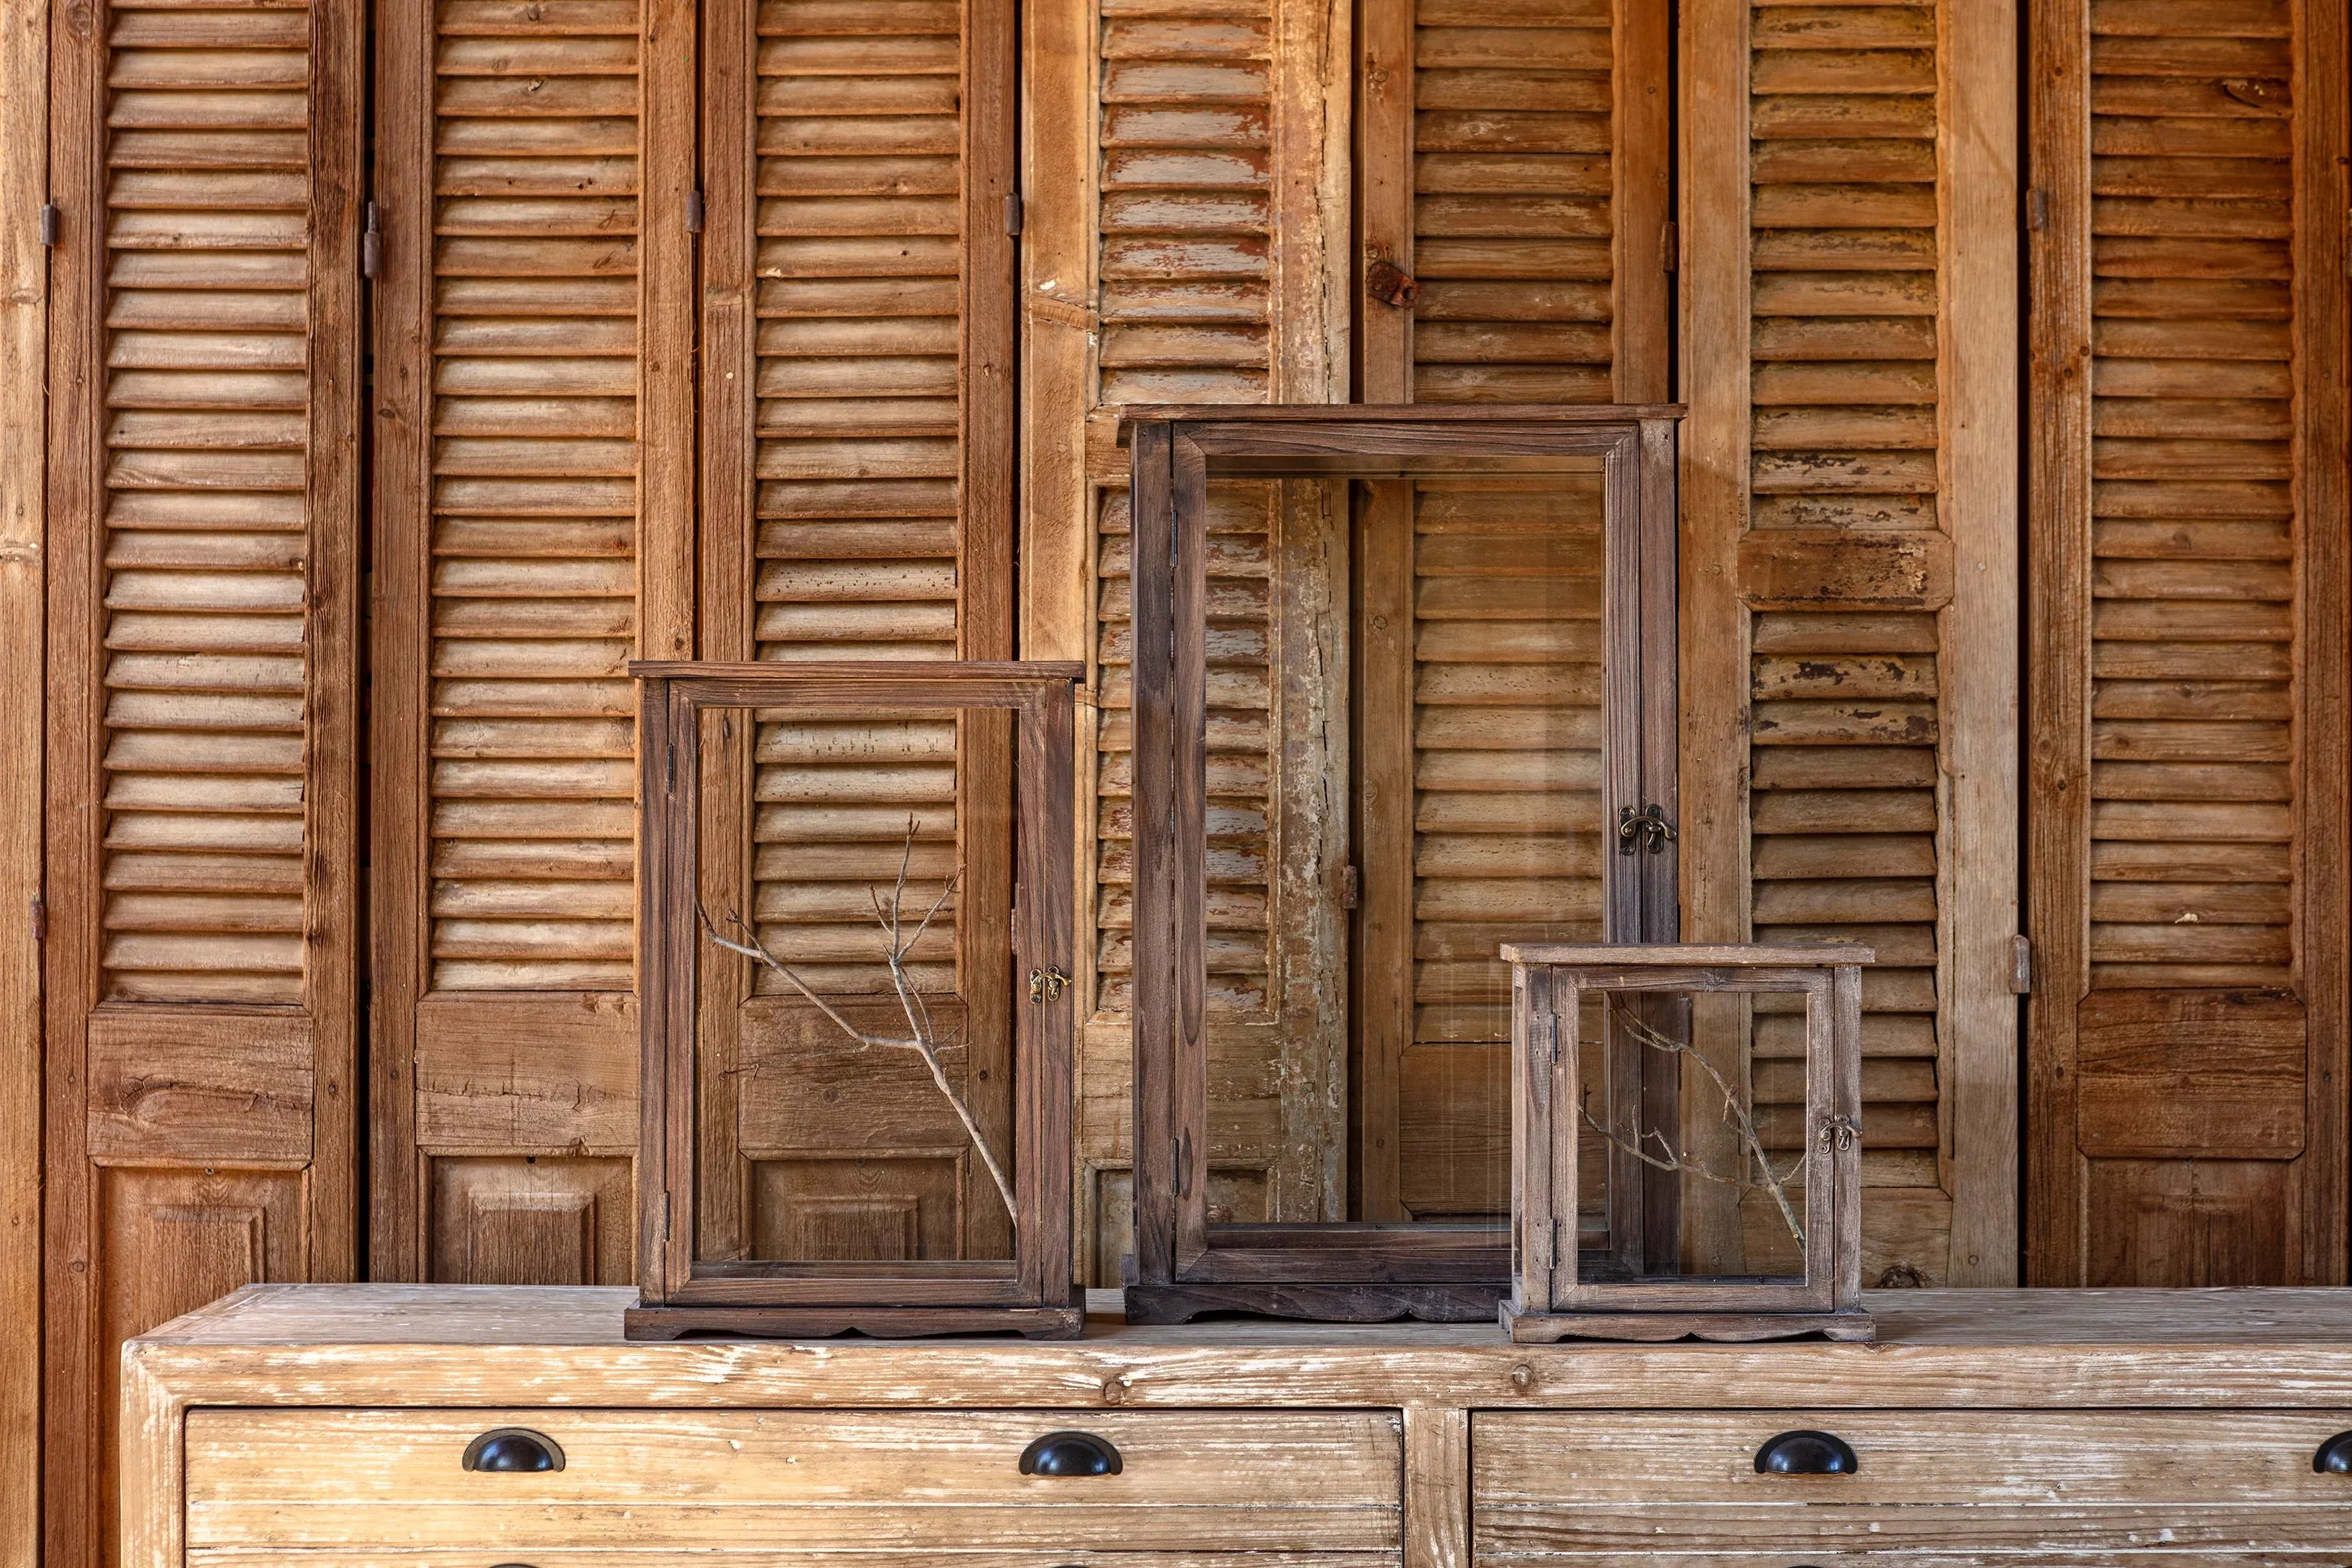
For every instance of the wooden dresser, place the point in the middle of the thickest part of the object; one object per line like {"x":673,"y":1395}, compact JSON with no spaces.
{"x":328,"y":1426}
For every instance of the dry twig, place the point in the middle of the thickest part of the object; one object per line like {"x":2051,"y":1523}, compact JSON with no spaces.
{"x":921,"y":1037}
{"x":1735,"y":1111}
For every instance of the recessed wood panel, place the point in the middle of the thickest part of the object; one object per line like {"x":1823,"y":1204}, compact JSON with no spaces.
{"x":530,"y":1220}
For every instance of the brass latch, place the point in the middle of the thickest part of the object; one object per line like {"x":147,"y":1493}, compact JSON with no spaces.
{"x":1045,"y":985}
{"x":1841,"y":1132}
{"x":1649,"y":823}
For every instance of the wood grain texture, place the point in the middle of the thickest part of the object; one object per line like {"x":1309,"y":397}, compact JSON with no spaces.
{"x":202,"y":767}
{"x":2049,"y":1419}
{"x":1277,"y":1480}
{"x":2191,"y":292}
{"x":1840,"y":306}
{"x":526,"y":548}
{"x":23,"y":323}
{"x":1978,"y":659}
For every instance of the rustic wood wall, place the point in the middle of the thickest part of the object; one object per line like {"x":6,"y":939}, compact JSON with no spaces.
{"x":2190,"y":779}
{"x":583,"y":450}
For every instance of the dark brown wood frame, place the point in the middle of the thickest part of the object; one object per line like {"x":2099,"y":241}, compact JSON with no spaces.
{"x":1549,"y":1301}
{"x":1032,"y":1293}
{"x":1361,"y":1271}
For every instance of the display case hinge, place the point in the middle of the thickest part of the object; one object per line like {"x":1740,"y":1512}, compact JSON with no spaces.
{"x":2021,"y":972}
{"x":1552,"y":1030}
{"x":371,"y":244}
{"x":51,"y":219}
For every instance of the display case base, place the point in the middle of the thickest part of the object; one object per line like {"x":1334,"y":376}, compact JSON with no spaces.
{"x":1527,"y":1327}
{"x":1325,"y":1303}
{"x":669,"y":1322}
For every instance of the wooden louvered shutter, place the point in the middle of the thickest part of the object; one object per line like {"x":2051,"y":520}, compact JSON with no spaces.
{"x":532,"y":507}
{"x":1514,"y":159}
{"x":202,"y":685}
{"x":857,"y":441}
{"x":2189,"y":1030}
{"x":1848,"y":749}
{"x":1216,"y":262}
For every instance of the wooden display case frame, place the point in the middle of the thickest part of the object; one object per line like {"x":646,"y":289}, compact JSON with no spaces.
{"x":1550,"y":1297}
{"x":1032,"y":1292}
{"x":1350,"y":1271}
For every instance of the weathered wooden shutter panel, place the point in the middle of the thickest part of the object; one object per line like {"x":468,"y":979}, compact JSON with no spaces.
{"x":531,"y":357}
{"x":2187,"y":1025}
{"x":1845,"y":363}
{"x":203,"y":684}
{"x":858,"y":439}
{"x":1220,"y":172}
{"x":1514,"y":158}
{"x":1843,"y":714}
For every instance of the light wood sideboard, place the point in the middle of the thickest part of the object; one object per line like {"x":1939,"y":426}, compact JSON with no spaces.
{"x":326,"y":1426}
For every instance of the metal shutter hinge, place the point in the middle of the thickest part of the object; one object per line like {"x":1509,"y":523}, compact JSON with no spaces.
{"x":370,"y":246}
{"x":40,"y":921}
{"x":694,"y":212}
{"x":50,"y":219}
{"x":1012,"y":214}
{"x":2021,"y":974}
{"x":1670,"y":247}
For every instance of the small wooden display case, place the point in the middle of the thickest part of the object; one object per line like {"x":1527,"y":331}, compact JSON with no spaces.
{"x":1631,"y":1265}
{"x":853,"y":954}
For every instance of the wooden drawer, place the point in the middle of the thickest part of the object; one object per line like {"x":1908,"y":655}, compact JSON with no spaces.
{"x":1982,"y":1480}
{"x":781,"y":1481}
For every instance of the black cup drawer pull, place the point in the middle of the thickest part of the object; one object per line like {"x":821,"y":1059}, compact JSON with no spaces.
{"x":513,"y":1448}
{"x":1807,"y":1454}
{"x":2335,"y":1456}
{"x":1070,"y":1454}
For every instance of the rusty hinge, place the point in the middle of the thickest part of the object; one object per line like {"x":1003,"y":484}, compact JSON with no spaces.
{"x":1183,"y":1164}
{"x":40,"y":921}
{"x":2021,"y":965}
{"x":2037,"y":209}
{"x":1012,"y":214}
{"x":1352,"y":887}
{"x":1552,"y":1035}
{"x":694,"y":212}
{"x":665,"y":1215}
{"x":1670,"y":247}
{"x":371,"y":244}
{"x":50,"y":220}
{"x":1389,"y":283}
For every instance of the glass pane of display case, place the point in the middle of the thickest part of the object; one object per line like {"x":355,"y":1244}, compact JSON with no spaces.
{"x":1411,"y":732}
{"x":854,"y":1053}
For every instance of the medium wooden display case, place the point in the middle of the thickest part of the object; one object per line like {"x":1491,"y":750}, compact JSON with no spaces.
{"x":801,"y":1172}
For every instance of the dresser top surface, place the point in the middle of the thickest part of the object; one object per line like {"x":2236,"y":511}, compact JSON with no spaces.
{"x":590,"y":1316}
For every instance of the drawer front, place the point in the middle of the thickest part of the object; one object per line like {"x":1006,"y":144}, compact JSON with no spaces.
{"x":778,"y":1481}
{"x":2024,"y":1481}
